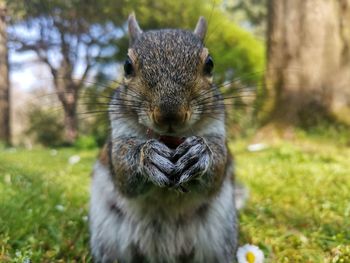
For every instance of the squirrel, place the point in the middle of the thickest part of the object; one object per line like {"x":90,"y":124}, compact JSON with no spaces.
{"x":163,"y":189}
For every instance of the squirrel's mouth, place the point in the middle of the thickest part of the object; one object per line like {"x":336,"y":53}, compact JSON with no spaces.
{"x":171,"y":141}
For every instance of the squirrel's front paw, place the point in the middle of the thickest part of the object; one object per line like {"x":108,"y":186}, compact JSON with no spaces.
{"x":155,"y":162}
{"x":192,"y":159}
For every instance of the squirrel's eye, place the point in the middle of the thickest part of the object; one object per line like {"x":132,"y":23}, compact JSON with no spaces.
{"x":208,"y":65}
{"x":128,"y":68}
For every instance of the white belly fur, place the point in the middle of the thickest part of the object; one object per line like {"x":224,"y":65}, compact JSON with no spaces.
{"x":113,"y":236}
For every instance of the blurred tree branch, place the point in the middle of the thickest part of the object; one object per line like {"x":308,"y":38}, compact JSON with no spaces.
{"x":68,"y":37}
{"x":251,"y":12}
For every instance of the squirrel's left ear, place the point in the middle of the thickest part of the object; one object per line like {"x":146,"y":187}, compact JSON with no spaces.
{"x":201,"y":28}
{"x":134,"y":29}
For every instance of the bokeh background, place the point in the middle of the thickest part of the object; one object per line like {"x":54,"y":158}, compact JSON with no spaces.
{"x":283,"y":66}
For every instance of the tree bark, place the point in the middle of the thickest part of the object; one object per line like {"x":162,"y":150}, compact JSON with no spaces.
{"x":308,"y":69}
{"x":68,"y":94}
{"x":70,"y":122}
{"x":5,"y":126}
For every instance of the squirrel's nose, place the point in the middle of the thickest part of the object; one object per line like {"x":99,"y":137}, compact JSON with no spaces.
{"x":169,"y":116}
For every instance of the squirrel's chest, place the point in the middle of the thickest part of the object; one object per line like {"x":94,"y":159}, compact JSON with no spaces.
{"x":184,"y":240}
{"x":152,"y":237}
{"x":128,"y":228}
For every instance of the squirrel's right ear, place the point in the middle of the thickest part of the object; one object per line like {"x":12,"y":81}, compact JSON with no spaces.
{"x":134,"y":29}
{"x":201,"y":28}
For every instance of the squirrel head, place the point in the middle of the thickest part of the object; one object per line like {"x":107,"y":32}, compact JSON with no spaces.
{"x":170,"y":69}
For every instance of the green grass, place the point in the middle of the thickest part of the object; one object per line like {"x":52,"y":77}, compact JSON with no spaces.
{"x":44,"y":203}
{"x":298,"y":211}
{"x":299,"y":205}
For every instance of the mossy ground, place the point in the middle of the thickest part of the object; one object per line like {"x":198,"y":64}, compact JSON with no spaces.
{"x":298,"y":210}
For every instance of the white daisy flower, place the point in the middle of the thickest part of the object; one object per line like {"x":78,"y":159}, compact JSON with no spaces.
{"x":250,"y":254}
{"x":74,"y":159}
{"x":256,"y":147}
{"x":59,"y":208}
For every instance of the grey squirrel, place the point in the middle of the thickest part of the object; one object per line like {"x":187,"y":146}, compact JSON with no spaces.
{"x":162,"y":189}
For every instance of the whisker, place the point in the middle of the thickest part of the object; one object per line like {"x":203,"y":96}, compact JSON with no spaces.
{"x":205,"y":98}
{"x":209,"y":116}
{"x":219,"y":102}
{"x":242,"y":77}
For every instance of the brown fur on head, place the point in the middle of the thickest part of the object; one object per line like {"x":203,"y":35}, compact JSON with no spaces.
{"x":169,"y":69}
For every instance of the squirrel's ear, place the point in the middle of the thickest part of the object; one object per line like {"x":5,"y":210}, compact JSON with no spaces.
{"x":201,"y":28}
{"x":134,"y":29}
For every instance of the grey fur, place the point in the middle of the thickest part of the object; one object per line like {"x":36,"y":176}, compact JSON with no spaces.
{"x":192,"y":160}
{"x":156,"y":162}
{"x":151,"y":203}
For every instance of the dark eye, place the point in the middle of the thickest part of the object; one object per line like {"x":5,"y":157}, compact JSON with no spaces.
{"x":128,"y":68}
{"x":208,"y":65}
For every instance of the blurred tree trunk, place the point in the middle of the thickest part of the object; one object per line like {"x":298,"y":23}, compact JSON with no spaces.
{"x":68,"y":94}
{"x":5,"y":127}
{"x":308,"y":70}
